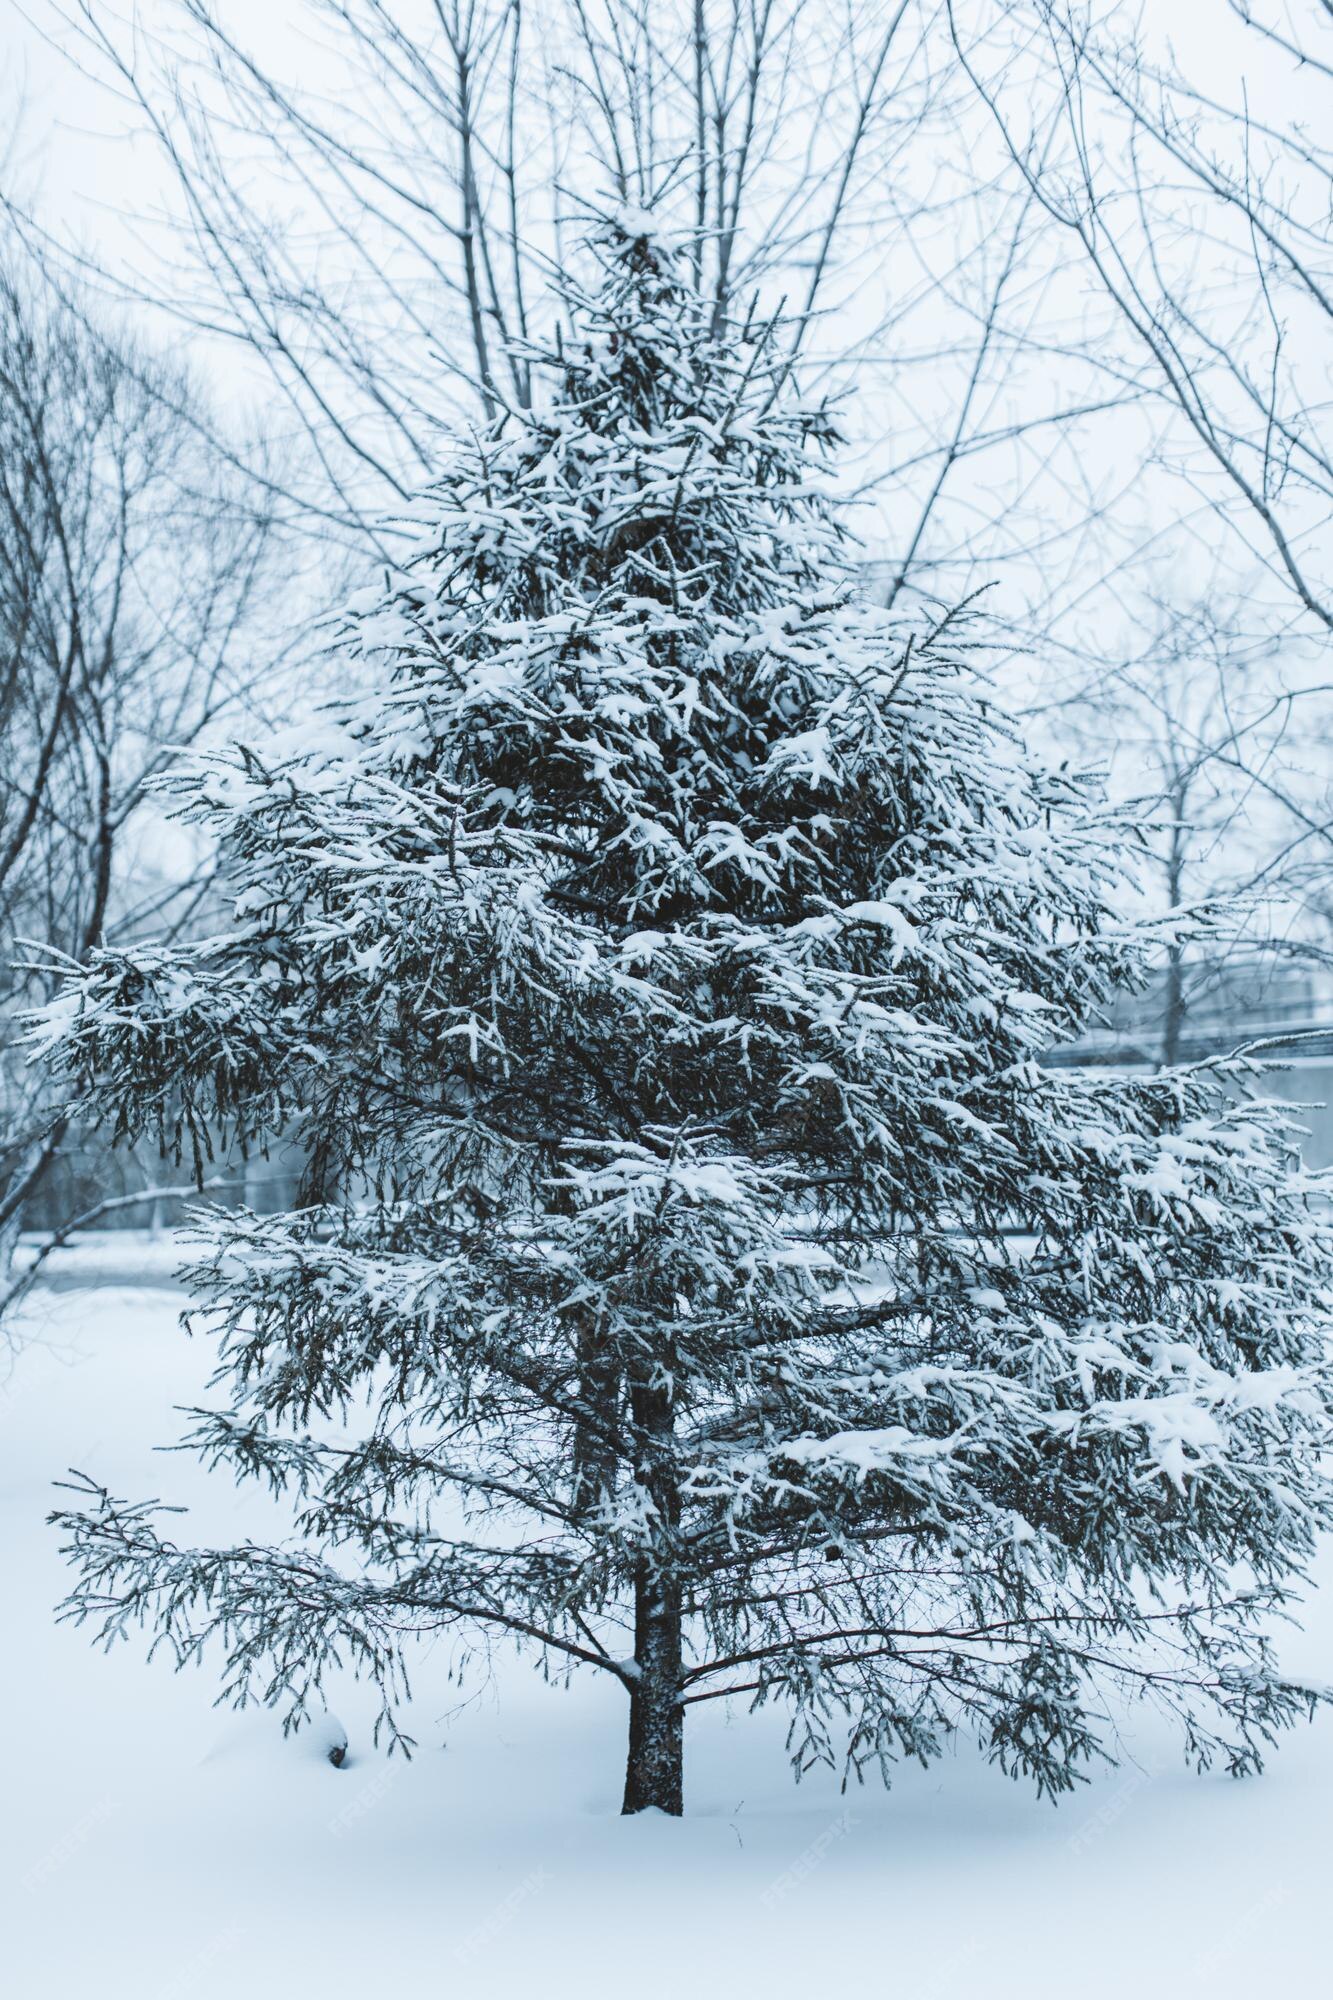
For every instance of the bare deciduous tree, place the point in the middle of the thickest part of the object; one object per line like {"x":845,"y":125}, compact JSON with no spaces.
{"x":425,"y":160}
{"x":128,"y":583}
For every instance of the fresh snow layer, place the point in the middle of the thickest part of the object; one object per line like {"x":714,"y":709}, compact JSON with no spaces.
{"x":157,"y":1847}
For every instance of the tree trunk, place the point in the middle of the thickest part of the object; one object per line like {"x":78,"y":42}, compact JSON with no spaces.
{"x":595,"y":1458}
{"x":654,"y":1770}
{"x":9,"y":1237}
{"x":1174,"y":1017}
{"x":654,"y":1774}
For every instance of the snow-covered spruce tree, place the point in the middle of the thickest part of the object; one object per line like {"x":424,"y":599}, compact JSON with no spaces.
{"x":699,"y":1278}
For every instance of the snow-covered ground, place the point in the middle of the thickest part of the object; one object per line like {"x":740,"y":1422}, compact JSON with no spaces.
{"x":156,"y":1847}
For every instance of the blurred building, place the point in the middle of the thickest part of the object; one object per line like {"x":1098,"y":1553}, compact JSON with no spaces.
{"x":1280,"y":1012}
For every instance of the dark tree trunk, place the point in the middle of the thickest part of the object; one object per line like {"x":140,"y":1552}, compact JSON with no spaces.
{"x":654,"y":1769}
{"x":595,"y":1453}
{"x":1173,"y":1020}
{"x":654,"y":1774}
{"x":1174,"y":1016}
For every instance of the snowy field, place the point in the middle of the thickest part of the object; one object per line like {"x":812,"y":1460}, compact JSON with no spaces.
{"x":157,"y":1847}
